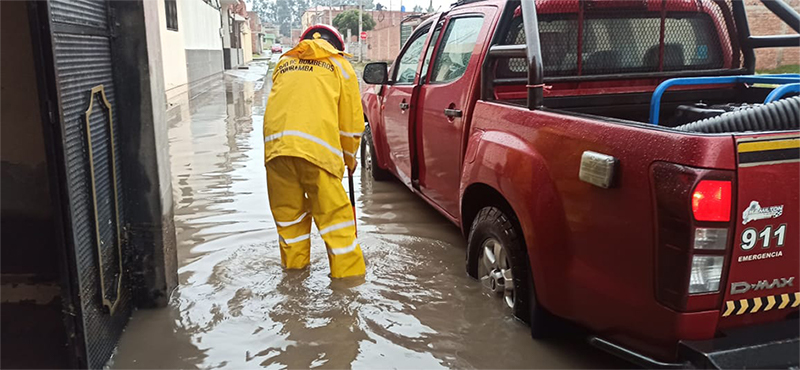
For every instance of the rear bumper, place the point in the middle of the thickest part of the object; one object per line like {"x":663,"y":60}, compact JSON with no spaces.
{"x":773,"y":345}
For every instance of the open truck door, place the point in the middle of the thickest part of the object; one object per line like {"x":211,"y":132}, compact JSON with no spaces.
{"x":399,"y":102}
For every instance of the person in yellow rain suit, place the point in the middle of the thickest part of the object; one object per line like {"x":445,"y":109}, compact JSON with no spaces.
{"x":312,"y":129}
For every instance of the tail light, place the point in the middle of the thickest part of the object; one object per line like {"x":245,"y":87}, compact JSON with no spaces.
{"x":693,"y":212}
{"x":711,"y":201}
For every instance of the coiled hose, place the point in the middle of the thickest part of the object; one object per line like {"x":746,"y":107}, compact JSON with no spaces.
{"x":781,"y":115}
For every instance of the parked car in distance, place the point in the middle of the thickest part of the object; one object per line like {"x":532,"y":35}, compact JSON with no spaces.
{"x":277,"y":48}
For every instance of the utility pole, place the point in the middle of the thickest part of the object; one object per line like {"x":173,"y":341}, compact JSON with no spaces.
{"x":360,"y":29}
{"x":330,"y":12}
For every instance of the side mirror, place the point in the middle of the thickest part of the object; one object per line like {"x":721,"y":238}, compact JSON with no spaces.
{"x":376,"y":73}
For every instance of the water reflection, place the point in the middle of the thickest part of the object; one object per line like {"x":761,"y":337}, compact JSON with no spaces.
{"x":236,"y":307}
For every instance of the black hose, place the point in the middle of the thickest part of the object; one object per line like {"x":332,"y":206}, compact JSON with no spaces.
{"x":781,"y":115}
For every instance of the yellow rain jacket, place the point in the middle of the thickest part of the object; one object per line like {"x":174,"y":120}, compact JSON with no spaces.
{"x":325,"y":126}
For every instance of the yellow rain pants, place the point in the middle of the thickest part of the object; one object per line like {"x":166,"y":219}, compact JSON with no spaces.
{"x":312,"y":129}
{"x":300,"y":191}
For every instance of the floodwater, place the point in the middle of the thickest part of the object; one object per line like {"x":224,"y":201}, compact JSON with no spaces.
{"x":236,"y":308}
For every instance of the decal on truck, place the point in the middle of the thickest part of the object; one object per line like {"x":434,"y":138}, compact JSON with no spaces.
{"x":751,"y":237}
{"x":755,"y":212}
{"x":744,"y":287}
{"x":766,"y":152}
{"x":761,"y":304}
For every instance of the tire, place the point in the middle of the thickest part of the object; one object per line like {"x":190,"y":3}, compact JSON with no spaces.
{"x":493,"y":226}
{"x":368,"y":158}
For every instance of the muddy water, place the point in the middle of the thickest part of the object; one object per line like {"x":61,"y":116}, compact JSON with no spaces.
{"x":236,"y":308}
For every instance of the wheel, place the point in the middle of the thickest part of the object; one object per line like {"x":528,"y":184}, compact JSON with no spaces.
{"x":498,"y":259}
{"x":368,"y":161}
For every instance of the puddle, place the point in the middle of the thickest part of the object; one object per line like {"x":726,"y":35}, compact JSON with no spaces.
{"x":236,"y":308}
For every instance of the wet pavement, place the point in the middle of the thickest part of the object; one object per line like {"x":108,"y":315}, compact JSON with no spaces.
{"x":236,"y":308}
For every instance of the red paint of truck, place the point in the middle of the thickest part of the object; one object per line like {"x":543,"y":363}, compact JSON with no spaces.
{"x":593,"y":252}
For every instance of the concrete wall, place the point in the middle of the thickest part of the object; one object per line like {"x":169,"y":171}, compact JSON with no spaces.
{"x":202,"y":25}
{"x":194,"y":51}
{"x":202,"y":39}
{"x":144,"y":152}
{"x":763,"y":23}
{"x":255,"y":26}
{"x":232,"y":57}
{"x":173,"y":48}
{"x":269,"y":39}
{"x":319,"y":14}
{"x":226,"y":23}
{"x":247,"y":43}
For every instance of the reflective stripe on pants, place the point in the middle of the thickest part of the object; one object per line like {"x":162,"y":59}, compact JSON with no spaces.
{"x":299,"y":192}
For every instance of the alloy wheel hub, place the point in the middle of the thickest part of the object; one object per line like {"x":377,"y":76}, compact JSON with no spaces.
{"x":495,"y":272}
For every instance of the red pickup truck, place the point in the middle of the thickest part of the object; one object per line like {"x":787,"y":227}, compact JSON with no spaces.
{"x":612,"y":163}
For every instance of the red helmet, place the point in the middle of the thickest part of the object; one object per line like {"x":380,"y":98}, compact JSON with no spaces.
{"x":326,"y":33}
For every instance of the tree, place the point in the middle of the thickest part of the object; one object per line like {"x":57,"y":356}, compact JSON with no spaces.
{"x":417,"y":9}
{"x":286,"y":14}
{"x":430,"y":7}
{"x":349,"y":21}
{"x":262,"y":7}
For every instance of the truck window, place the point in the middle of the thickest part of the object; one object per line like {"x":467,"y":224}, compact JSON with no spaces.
{"x":427,"y":62}
{"x":613,"y":44}
{"x":409,"y":60}
{"x":456,"y":48}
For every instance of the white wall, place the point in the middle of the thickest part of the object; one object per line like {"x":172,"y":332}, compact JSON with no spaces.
{"x":202,"y":28}
{"x":226,"y":35}
{"x":247,"y":42}
{"x":173,"y":51}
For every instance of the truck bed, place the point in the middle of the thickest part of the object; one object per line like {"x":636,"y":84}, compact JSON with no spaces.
{"x":634,"y":108}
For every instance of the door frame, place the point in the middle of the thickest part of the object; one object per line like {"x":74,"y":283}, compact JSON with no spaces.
{"x":487,"y":13}
{"x":412,"y":119}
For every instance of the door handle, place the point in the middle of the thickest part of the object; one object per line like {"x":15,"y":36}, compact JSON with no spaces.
{"x":452,"y":112}
{"x":404,"y":106}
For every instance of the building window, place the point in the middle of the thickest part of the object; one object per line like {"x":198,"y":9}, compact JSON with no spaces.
{"x":172,"y":14}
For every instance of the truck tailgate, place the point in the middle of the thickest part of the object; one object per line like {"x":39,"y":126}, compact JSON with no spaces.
{"x":762,"y":283}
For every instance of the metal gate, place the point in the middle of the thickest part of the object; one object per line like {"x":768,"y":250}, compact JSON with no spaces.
{"x":77,"y":62}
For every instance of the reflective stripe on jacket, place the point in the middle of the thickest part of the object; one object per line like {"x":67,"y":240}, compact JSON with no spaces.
{"x":314,"y":109}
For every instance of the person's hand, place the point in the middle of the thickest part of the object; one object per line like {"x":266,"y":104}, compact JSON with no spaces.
{"x":350,"y":171}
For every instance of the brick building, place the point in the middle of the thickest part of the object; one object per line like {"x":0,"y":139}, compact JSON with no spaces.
{"x":763,"y":23}
{"x":257,"y":32}
{"x":384,"y":42}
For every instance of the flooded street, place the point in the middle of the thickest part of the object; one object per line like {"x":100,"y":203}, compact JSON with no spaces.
{"x":236,"y":308}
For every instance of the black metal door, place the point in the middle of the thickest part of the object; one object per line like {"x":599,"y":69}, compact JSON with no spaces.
{"x":77,"y":67}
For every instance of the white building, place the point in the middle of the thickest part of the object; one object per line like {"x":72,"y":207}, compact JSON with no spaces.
{"x":191,"y":42}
